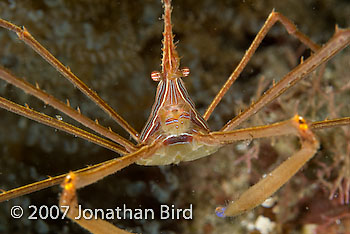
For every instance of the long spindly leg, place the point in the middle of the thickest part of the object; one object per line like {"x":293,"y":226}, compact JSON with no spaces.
{"x":65,"y":108}
{"x":25,"y":36}
{"x":58,"y":124}
{"x":82,"y":178}
{"x":330,"y":123}
{"x":75,"y":181}
{"x":69,"y":206}
{"x":86,"y":175}
{"x":340,"y":40}
{"x":271,"y":20}
{"x":271,"y":183}
{"x":51,"y":181}
{"x":259,"y":192}
{"x":37,"y":186}
{"x":271,"y":130}
{"x":61,"y":125}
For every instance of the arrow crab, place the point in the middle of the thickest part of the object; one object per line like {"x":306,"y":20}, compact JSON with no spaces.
{"x":192,"y":114}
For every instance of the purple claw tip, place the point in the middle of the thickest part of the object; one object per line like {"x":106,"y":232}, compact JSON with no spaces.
{"x":220,"y":211}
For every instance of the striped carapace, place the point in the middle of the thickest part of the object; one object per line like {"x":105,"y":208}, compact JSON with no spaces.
{"x":174,"y":117}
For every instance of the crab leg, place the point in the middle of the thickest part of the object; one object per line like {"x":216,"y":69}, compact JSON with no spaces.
{"x":75,"y":181}
{"x":25,"y":36}
{"x":52,"y":122}
{"x":81,"y":178}
{"x":65,"y":108}
{"x":330,"y":123}
{"x":271,"y":20}
{"x":259,"y":192}
{"x":68,"y":200}
{"x":85,"y":172}
{"x":271,"y":130}
{"x":338,"y":42}
{"x":37,"y":186}
{"x":61,"y":125}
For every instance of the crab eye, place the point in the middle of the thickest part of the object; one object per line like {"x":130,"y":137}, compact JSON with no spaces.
{"x":156,"y":76}
{"x":185,"y":71}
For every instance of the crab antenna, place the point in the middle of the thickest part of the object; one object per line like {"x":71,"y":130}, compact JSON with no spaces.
{"x":170,"y":60}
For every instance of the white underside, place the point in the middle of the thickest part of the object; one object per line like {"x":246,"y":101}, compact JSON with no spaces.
{"x":176,"y":153}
